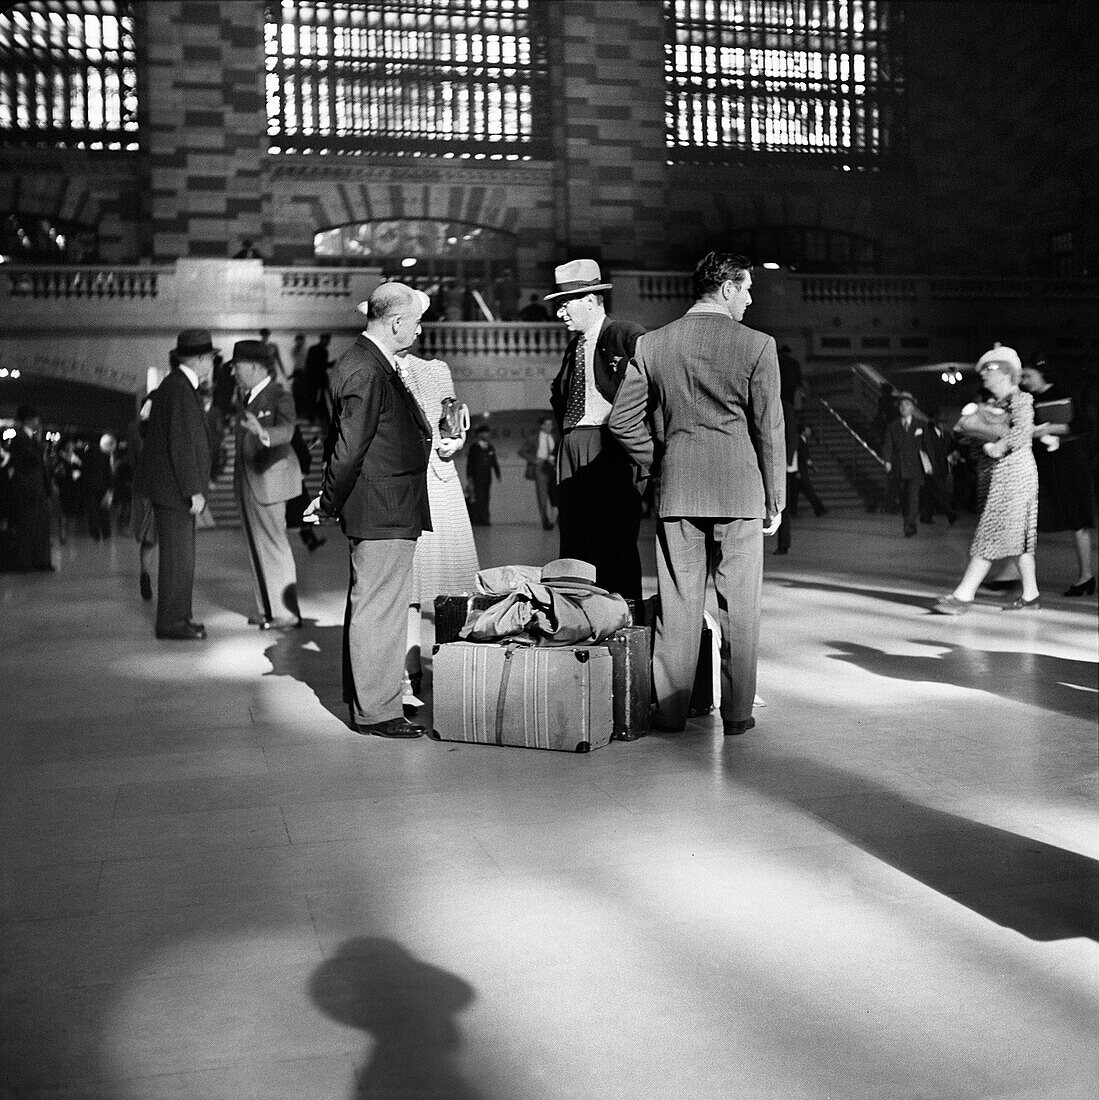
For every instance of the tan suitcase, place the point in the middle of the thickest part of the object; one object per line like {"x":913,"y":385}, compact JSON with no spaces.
{"x":530,"y":696}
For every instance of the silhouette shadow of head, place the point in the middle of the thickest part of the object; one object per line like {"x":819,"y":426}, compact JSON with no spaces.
{"x":372,"y":983}
{"x":906,"y":599}
{"x":1053,"y":683}
{"x":314,"y":656}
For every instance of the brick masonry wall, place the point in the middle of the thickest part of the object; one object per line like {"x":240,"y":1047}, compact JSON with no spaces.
{"x":207,"y":133}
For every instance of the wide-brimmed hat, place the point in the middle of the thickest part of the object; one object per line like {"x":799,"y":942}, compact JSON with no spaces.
{"x":905,"y":396}
{"x":194,"y":341}
{"x":576,"y":278}
{"x":253,"y":351}
{"x":569,"y":569}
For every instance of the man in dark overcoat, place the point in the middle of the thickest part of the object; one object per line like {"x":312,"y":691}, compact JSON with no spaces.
{"x":901,"y":449}
{"x":175,"y":473}
{"x":28,"y":495}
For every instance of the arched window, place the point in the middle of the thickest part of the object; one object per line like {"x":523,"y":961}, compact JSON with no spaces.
{"x":820,"y":78}
{"x":68,"y":74}
{"x":406,"y":77}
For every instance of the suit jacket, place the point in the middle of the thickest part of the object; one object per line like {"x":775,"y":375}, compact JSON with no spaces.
{"x":902,"y":448}
{"x":613,"y":348}
{"x":175,"y":462}
{"x":272,"y":473}
{"x":711,"y":385}
{"x":938,"y":445}
{"x":375,"y":475}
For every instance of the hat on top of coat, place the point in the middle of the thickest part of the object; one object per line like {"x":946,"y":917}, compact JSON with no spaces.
{"x":905,"y":396}
{"x":576,"y":278}
{"x":1001,"y":358}
{"x":194,"y":341}
{"x":254,"y":351}
{"x":569,"y":569}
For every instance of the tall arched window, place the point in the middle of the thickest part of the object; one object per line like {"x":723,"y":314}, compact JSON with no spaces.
{"x":820,"y":78}
{"x":68,"y":74}
{"x":406,"y":77}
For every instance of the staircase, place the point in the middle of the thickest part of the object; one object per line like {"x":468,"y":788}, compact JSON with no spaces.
{"x":220,"y":501}
{"x":857,"y":477}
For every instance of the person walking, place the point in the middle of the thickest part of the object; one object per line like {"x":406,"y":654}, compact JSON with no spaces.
{"x":375,"y":485}
{"x":481,"y":464}
{"x":175,"y":477}
{"x":901,"y":453}
{"x":1008,"y":527}
{"x":28,"y":493}
{"x":539,"y":452}
{"x":712,"y":387}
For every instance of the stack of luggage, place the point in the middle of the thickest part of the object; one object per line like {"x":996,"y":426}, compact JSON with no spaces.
{"x":542,"y":659}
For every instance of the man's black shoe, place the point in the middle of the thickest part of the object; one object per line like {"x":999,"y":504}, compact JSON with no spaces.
{"x":185,"y":632}
{"x":395,"y":727}
{"x":197,"y":625}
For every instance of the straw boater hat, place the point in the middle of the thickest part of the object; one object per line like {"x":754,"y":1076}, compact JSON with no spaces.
{"x":576,"y":278}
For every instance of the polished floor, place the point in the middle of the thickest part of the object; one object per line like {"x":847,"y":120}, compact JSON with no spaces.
{"x":213,"y":889}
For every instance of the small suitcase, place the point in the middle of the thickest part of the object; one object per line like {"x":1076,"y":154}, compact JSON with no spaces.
{"x":529,"y":696}
{"x":631,"y":654}
{"x":451,"y":613}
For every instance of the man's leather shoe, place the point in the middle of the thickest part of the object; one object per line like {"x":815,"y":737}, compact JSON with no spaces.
{"x":185,"y":632}
{"x":741,"y":725}
{"x":280,"y":624}
{"x":196,"y":624}
{"x":257,"y":620}
{"x":394,"y":727}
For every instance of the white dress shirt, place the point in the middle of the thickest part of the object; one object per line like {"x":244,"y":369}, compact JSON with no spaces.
{"x":597,"y":409}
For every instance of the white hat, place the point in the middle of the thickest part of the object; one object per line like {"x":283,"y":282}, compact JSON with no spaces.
{"x":576,"y":278}
{"x":1000,"y":356}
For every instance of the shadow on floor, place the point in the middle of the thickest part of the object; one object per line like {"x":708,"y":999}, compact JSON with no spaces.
{"x":907,"y":599}
{"x":314,"y":656}
{"x":1041,"y":891}
{"x":1053,"y":683}
{"x":407,"y":1006}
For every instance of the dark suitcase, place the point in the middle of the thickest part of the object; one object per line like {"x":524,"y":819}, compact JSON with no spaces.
{"x":643,"y":613}
{"x":631,"y":654}
{"x":451,"y":613}
{"x":533,"y":697}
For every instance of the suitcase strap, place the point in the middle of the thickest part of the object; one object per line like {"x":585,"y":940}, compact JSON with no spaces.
{"x":502,"y":697}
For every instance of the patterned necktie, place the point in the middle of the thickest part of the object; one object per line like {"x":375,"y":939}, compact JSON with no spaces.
{"x":577,"y":405}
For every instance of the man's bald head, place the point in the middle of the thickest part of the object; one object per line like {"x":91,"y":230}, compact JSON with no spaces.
{"x":393,"y":314}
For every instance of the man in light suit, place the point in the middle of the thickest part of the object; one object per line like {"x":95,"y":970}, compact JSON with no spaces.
{"x":265,"y":476}
{"x":901,"y":451}
{"x":710,"y":385}
{"x":598,"y":504}
{"x":175,"y":472}
{"x":375,"y":484}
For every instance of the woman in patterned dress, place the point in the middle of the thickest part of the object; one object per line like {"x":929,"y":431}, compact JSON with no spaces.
{"x":1008,"y":527}
{"x":445,"y":561}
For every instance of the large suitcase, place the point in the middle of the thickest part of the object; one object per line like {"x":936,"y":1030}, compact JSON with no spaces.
{"x":451,"y":613}
{"x":533,"y":697}
{"x":631,"y":656}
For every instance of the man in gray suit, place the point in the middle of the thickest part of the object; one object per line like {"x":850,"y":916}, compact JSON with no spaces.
{"x":375,"y":484}
{"x":266,"y":474}
{"x":706,"y":389}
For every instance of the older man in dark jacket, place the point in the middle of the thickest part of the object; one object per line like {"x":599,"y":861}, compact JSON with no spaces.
{"x":375,"y":485}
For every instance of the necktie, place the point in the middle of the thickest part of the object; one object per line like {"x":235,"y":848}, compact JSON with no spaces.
{"x":577,"y":404}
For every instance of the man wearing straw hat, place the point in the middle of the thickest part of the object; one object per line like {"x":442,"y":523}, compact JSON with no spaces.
{"x":598,"y":504}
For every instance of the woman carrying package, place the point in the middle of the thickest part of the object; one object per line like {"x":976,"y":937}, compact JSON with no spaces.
{"x":1008,"y":525}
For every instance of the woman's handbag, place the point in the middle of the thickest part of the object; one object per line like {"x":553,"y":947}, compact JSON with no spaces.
{"x":454,"y":422}
{"x":983,"y":423}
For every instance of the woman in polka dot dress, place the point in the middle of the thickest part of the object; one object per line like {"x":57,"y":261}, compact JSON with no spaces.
{"x":1008,"y":527}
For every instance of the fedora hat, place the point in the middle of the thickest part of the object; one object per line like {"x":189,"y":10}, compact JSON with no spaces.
{"x":194,"y":341}
{"x":905,"y":396}
{"x":253,"y":351}
{"x":569,"y":569}
{"x":576,"y":278}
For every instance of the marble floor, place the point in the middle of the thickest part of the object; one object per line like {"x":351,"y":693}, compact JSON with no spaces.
{"x":212,"y":888}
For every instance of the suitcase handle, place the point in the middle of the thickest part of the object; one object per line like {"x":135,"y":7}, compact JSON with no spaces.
{"x":502,"y":697}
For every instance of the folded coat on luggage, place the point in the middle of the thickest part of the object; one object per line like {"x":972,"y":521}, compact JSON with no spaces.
{"x":550,"y":613}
